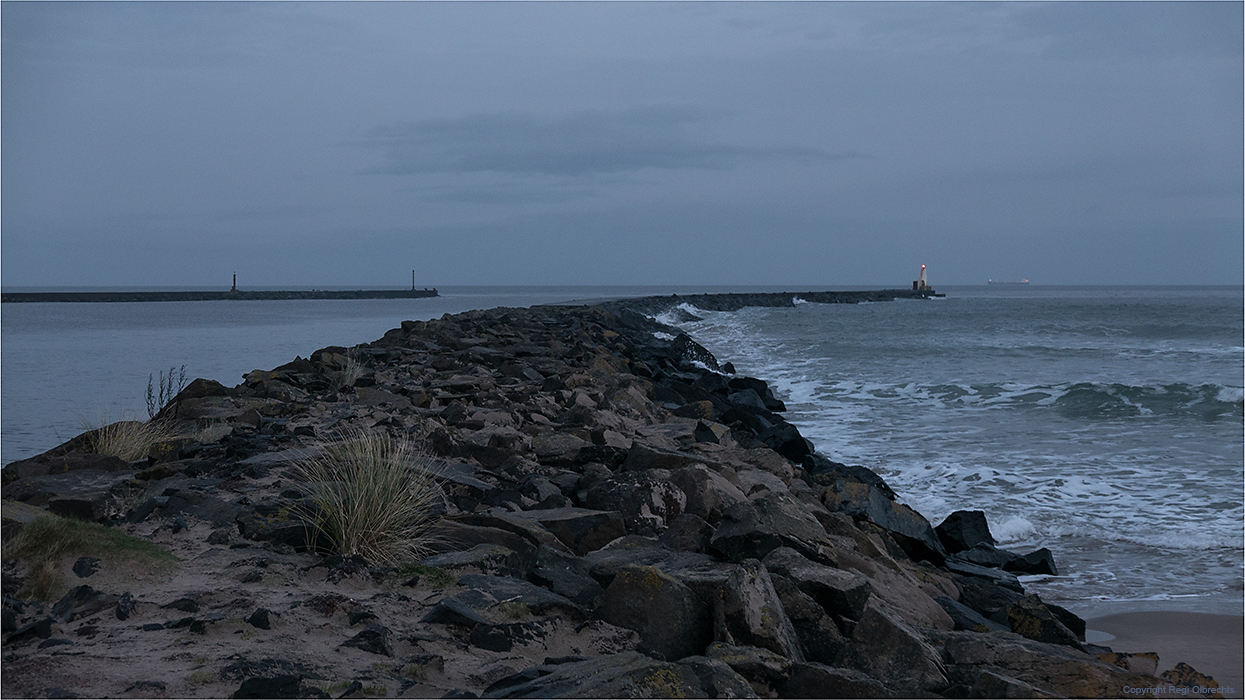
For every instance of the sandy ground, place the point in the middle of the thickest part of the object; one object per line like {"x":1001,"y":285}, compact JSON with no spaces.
{"x":1210,"y":643}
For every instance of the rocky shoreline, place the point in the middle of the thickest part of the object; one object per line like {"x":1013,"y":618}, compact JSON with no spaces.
{"x":624,"y":517}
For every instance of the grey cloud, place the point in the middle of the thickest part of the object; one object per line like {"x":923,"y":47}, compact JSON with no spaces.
{"x":1150,"y":29}
{"x":582,"y":143}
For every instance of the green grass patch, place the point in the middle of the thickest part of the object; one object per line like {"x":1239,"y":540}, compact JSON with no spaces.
{"x":130,"y":440}
{"x":513,"y":610}
{"x":44,"y":543}
{"x":428,"y":575}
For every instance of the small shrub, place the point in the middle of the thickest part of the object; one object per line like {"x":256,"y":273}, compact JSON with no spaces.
{"x":201,"y":677}
{"x":45,"y":541}
{"x":513,"y":610}
{"x":159,"y":395}
{"x":371,"y":495}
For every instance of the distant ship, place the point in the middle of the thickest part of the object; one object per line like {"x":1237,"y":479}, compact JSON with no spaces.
{"x":1006,"y":282}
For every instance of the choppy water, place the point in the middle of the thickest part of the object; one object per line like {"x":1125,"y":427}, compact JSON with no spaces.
{"x":1103,"y":423}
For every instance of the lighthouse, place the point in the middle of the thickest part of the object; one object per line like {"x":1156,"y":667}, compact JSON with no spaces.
{"x":921,"y":284}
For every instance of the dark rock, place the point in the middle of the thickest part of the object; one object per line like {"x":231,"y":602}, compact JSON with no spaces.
{"x":815,"y":680}
{"x":647,"y":504}
{"x":278,"y":687}
{"x":452,"y":611}
{"x":786,"y":440}
{"x":580,"y":529}
{"x":764,"y":670}
{"x":125,"y":606}
{"x":963,"y":530}
{"x":838,"y":592}
{"x":373,"y":639}
{"x":567,"y":576}
{"x":885,"y":647}
{"x":863,"y":500}
{"x":995,"y":576}
{"x":85,"y":566}
{"x":642,"y":457}
{"x":746,"y":608}
{"x":505,"y":637}
{"x":189,"y":605}
{"x":218,"y":537}
{"x":984,"y":595}
{"x":965,"y":618}
{"x":1038,"y":562}
{"x":708,"y":493}
{"x":453,"y":536}
{"x":820,"y":638}
{"x":987,"y":555}
{"x":261,"y":618}
{"x":750,"y":531}
{"x":1028,"y":617}
{"x":356,"y":616}
{"x":717,"y":679}
{"x":41,"y":629}
{"x":622,"y":675}
{"x":492,"y":559}
{"x":82,"y":601}
{"x":668,"y":616}
{"x":687,"y":533}
{"x":486,"y":590}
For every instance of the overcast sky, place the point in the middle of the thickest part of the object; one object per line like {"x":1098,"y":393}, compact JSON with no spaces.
{"x":631,"y":143}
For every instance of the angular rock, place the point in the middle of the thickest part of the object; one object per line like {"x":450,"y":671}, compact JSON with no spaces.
{"x":717,"y":679}
{"x":838,"y":592}
{"x":642,"y":457}
{"x":820,"y":638}
{"x":492,"y":559}
{"x":82,"y":601}
{"x":647,"y":504}
{"x":373,"y":639}
{"x":886,"y":648}
{"x":687,"y":533}
{"x":558,"y":449}
{"x":483,"y":589}
{"x":866,"y":501}
{"x":505,"y":637}
{"x":1028,"y":617}
{"x":1037,"y":562}
{"x":452,"y":611}
{"x":624,"y":675}
{"x":995,"y":576}
{"x":708,"y":493}
{"x":815,"y":680}
{"x":764,"y":670}
{"x":964,"y":529}
{"x":580,"y":529}
{"x":966,"y":618}
{"x":668,"y":616}
{"x":567,"y":576}
{"x":750,"y":531}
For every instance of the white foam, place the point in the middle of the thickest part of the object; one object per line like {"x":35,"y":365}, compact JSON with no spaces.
{"x":1230,"y":394}
{"x":1012,"y":529}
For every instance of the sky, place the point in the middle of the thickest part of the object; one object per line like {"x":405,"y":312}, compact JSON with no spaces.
{"x":528,"y":143}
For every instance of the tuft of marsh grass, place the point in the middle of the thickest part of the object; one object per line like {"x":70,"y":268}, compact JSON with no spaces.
{"x":130,"y":440}
{"x":371,"y":495}
{"x":46,"y":541}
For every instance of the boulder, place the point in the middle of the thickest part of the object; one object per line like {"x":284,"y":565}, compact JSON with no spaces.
{"x":492,"y":559}
{"x":582,"y":530}
{"x":786,"y":440}
{"x":669,"y":617}
{"x":750,"y":531}
{"x":1038,"y":562}
{"x":624,"y":675}
{"x":820,"y":638}
{"x":867,"y":501}
{"x":707,"y":492}
{"x":1028,"y":617}
{"x":485,"y":591}
{"x":373,"y":639}
{"x":964,"y":529}
{"x":965,"y":618}
{"x":838,"y":592}
{"x":642,"y":457}
{"x":687,"y":533}
{"x":567,"y":576}
{"x":814,"y":680}
{"x":764,"y":670}
{"x":647,"y":504}
{"x":886,"y":648}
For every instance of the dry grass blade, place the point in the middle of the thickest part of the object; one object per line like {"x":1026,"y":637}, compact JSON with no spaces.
{"x":372,"y":495}
{"x":130,"y":439}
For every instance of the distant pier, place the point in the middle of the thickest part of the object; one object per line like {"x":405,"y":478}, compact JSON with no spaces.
{"x":231,"y":295}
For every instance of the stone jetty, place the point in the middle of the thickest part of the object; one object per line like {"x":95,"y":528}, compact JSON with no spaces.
{"x":623,"y":516}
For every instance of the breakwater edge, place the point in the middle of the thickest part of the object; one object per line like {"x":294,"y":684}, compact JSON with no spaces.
{"x":595,"y":459}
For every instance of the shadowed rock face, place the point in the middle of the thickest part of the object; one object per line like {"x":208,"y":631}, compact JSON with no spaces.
{"x":620,"y":519}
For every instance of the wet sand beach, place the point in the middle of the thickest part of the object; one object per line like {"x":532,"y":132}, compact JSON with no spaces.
{"x":1212,"y":644}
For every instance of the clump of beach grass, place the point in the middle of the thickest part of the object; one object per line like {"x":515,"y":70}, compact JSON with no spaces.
{"x":46,"y":542}
{"x":372,"y":495}
{"x":130,"y":440}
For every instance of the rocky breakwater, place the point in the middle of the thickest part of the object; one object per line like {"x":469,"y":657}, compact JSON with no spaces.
{"x":623,"y":517}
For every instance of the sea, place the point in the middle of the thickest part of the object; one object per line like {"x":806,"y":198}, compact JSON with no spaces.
{"x":1103,"y":423}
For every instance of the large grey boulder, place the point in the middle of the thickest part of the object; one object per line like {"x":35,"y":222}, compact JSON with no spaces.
{"x":647,"y":504}
{"x":625,"y":675}
{"x":708,"y":493}
{"x":889,"y":650}
{"x":582,"y":530}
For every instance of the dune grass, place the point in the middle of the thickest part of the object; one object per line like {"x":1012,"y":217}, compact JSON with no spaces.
{"x":130,"y":440}
{"x":372,"y":495}
{"x":45,"y":542}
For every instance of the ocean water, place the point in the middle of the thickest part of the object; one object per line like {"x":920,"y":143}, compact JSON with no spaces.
{"x":1103,"y":423}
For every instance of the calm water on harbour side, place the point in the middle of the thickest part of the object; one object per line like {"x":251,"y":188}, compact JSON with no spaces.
{"x":1103,"y":423}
